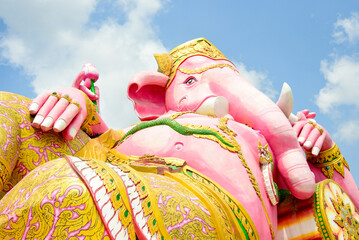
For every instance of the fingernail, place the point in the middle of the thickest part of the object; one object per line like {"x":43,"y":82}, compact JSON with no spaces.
{"x":308,"y":144}
{"x":73,"y":132}
{"x":47,"y":122}
{"x":60,"y":125}
{"x":315,"y":151}
{"x":38,"y":119}
{"x":301,"y":139}
{"x":33,"y":107}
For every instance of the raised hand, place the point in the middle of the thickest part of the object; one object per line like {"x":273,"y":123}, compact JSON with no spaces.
{"x":63,"y":110}
{"x":88,"y":75}
{"x":311,"y":136}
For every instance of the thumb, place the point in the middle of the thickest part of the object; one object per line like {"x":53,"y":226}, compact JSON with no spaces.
{"x":296,"y":173}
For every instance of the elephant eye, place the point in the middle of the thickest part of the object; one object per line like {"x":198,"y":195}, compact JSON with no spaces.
{"x":190,"y":81}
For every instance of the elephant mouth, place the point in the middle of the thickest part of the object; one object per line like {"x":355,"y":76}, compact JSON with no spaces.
{"x":213,"y":106}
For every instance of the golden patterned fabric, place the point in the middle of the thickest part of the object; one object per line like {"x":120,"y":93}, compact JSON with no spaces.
{"x":183,"y":202}
{"x":55,"y":205}
{"x":68,"y":198}
{"x":22,"y":147}
{"x":97,"y":148}
{"x":168,"y":63}
{"x":91,"y":118}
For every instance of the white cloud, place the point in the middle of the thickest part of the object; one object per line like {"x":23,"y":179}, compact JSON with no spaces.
{"x":347,"y":29}
{"x":258,"y":79}
{"x":342,"y":82}
{"x":342,"y":85}
{"x":348,"y":131}
{"x":51,"y":40}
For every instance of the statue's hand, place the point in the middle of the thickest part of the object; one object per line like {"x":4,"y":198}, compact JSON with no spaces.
{"x":311,"y":136}
{"x":63,"y":110}
{"x":85,"y":82}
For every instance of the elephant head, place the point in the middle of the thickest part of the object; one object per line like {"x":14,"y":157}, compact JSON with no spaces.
{"x":196,"y":73}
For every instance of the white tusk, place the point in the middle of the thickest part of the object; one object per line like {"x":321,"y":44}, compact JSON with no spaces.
{"x":285,"y":101}
{"x":214,"y":106}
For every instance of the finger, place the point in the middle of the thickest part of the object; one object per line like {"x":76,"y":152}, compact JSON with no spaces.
{"x":38,"y":102}
{"x":311,"y":115}
{"x":305,"y":112}
{"x":301,"y":116}
{"x":54,"y":114}
{"x":305,"y":132}
{"x":78,"y":80}
{"x":45,"y":109}
{"x":70,"y":132}
{"x":312,"y":138}
{"x":66,"y":117}
{"x":319,"y":144}
{"x":88,"y":92}
{"x":298,"y":127}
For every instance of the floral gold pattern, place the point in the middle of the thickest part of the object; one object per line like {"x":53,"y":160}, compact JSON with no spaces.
{"x":345,"y":219}
{"x":335,"y":214}
{"x":109,"y":194}
{"x":22,"y":147}
{"x":200,"y":70}
{"x":56,"y":205}
{"x":265,"y":156}
{"x":187,"y":205}
{"x":266,"y":161}
{"x":328,"y":161}
{"x":91,"y":118}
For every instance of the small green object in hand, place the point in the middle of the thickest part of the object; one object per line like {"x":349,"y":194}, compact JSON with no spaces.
{"x":94,"y":92}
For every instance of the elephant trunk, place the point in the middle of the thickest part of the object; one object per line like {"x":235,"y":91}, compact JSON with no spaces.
{"x":250,"y":106}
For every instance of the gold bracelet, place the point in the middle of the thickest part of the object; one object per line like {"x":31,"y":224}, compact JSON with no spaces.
{"x":329,"y":160}
{"x":91,"y":118}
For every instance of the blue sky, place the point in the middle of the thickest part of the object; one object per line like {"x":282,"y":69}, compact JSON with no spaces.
{"x":311,"y":45}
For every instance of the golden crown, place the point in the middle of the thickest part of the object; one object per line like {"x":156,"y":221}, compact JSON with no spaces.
{"x":168,"y":62}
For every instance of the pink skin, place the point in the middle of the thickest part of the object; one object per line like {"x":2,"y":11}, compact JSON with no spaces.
{"x":246,"y":104}
{"x":63,"y":117}
{"x":58,"y":109}
{"x":221,"y":165}
{"x":309,"y":136}
{"x":45,"y":106}
{"x":69,"y":117}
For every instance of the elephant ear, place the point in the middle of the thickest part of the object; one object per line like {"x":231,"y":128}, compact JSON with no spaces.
{"x":147,"y":92}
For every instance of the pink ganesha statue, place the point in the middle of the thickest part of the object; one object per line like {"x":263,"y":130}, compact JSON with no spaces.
{"x":213,"y":158}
